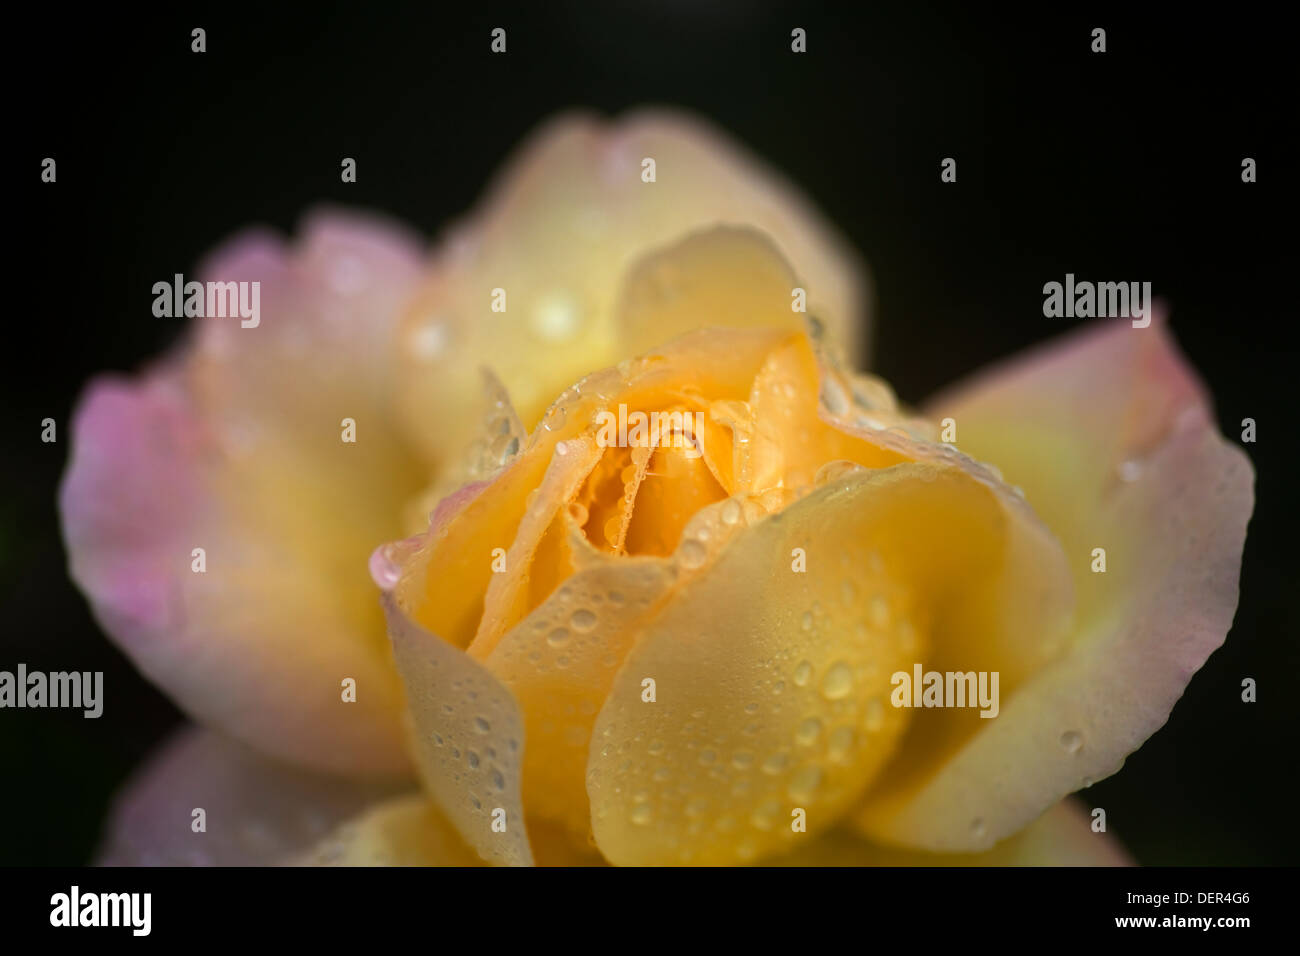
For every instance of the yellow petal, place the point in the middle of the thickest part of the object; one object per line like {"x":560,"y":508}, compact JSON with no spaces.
{"x":561,"y":661}
{"x":562,"y":226}
{"x":404,"y":831}
{"x":723,"y":276}
{"x":1060,"y":837}
{"x":468,"y":739}
{"x":773,"y":686}
{"x":1110,"y":437}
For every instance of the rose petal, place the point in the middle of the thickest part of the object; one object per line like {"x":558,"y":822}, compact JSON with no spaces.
{"x":234,"y":447}
{"x":469,"y":739}
{"x":723,"y":276}
{"x":1062,"y":836}
{"x":562,"y":226}
{"x":403,"y":831}
{"x":1062,"y":423}
{"x":773,"y":686}
{"x":256,"y":810}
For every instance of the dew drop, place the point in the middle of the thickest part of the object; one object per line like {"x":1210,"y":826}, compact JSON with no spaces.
{"x":875,"y":715}
{"x":834,"y":471}
{"x":834,"y":397}
{"x":613,"y":527}
{"x":429,"y":340}
{"x":764,"y":816}
{"x":775,"y":763}
{"x":556,"y":318}
{"x":642,"y":814}
{"x":481,"y":725}
{"x":554,"y":419}
{"x":692,"y":554}
{"x":838,"y":681}
{"x":804,"y":783}
{"x":879,"y":612}
{"x":582,"y":620}
{"x":558,"y":637}
{"x":1072,"y":741}
{"x":803,"y":674}
{"x":840,"y":743}
{"x":848,"y":592}
{"x":805,"y":735}
{"x":806,"y":622}
{"x":731,"y":512}
{"x":977,"y":828}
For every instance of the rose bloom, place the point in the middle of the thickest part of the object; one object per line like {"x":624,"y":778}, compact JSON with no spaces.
{"x":583,"y":644}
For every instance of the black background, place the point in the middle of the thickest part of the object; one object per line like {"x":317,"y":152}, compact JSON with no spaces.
{"x":1120,"y":165}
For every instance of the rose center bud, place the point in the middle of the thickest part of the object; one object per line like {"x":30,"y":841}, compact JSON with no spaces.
{"x":640,"y":496}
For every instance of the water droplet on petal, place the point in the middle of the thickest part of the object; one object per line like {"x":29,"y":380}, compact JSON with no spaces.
{"x":804,"y":783}
{"x":731,"y":512}
{"x":838,"y":681}
{"x":875,"y":715}
{"x":692,"y":554}
{"x":805,"y":735}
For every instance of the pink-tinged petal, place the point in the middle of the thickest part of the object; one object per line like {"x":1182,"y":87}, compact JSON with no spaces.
{"x":1063,"y":836}
{"x":234,"y":445}
{"x":562,"y":225}
{"x":255,"y":810}
{"x":1110,"y":436}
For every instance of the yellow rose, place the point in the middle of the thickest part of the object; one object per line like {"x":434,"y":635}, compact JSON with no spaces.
{"x":688,"y":609}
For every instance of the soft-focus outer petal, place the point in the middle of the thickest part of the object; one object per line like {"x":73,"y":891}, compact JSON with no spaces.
{"x":403,"y":831}
{"x":234,"y":446}
{"x":1110,"y":436}
{"x":561,"y":227}
{"x":1060,"y":837}
{"x":256,"y":810}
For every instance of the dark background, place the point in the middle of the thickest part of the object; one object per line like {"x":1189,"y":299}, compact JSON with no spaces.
{"x":1121,"y":165}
